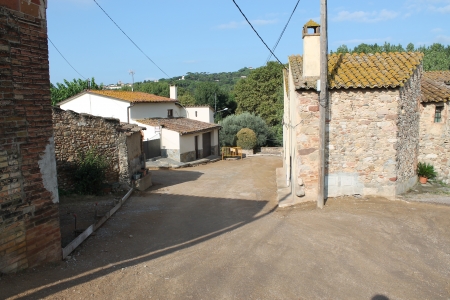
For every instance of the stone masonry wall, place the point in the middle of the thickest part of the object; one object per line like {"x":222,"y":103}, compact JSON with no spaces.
{"x":29,"y":219}
{"x":76,"y":133}
{"x":408,"y":132}
{"x":361,"y":141}
{"x":435,"y":139}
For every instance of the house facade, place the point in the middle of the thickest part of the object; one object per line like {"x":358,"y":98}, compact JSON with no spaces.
{"x":434,"y":146}
{"x":135,"y":107}
{"x":372,"y":122}
{"x":186,"y":140}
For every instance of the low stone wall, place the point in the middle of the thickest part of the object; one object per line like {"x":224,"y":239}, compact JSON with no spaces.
{"x":75,"y":134}
{"x":435,"y":139}
{"x":272,"y":150}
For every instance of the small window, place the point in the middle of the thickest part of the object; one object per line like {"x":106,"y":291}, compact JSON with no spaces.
{"x":170,"y":113}
{"x":196,"y":113}
{"x":438,"y":114}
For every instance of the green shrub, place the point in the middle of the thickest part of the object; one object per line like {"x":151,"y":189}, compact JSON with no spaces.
{"x":246,"y":139}
{"x":233,"y":123}
{"x":90,"y":172}
{"x":426,"y":170}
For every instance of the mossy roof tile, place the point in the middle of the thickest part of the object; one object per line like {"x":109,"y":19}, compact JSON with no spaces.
{"x":436,"y":86}
{"x":359,"y":70}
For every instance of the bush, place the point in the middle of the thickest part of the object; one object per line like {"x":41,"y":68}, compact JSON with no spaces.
{"x":246,"y":139}
{"x":90,"y":173}
{"x":426,"y":170}
{"x":232,"y":124}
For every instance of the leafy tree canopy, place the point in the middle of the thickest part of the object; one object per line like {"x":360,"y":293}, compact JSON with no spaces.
{"x":436,"y":56}
{"x":261,"y":93}
{"x":61,"y":91}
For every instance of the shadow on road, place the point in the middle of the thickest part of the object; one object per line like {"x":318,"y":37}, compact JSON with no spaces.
{"x":159,"y":223}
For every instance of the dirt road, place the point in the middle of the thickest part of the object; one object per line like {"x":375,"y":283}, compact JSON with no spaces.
{"x":213,"y":232}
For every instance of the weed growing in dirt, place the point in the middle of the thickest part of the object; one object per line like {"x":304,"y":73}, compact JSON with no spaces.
{"x":90,"y":172}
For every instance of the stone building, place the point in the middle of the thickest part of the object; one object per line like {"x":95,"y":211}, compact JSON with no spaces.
{"x":435,"y":122}
{"x":372,"y":122}
{"x":119,"y":143}
{"x":29,"y":219}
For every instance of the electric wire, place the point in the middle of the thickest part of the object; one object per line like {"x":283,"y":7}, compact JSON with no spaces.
{"x":64,"y":57}
{"x":255,"y":32}
{"x":131,"y":39}
{"x":281,"y":35}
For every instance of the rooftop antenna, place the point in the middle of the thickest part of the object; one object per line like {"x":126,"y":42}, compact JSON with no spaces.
{"x":132,"y":79}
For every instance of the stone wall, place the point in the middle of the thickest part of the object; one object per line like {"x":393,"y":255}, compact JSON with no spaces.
{"x":29,"y":219}
{"x":362,"y":140}
{"x":77,"y":133}
{"x":408,"y":121}
{"x":435,"y":139}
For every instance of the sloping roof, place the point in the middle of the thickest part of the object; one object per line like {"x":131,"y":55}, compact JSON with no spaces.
{"x":134,"y":97}
{"x":180,"y":125}
{"x":436,"y":86}
{"x":379,"y":70}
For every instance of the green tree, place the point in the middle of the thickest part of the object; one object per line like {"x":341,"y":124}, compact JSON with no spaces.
{"x":261,"y":93}
{"x":208,"y":93}
{"x":61,"y":92}
{"x":233,"y":123}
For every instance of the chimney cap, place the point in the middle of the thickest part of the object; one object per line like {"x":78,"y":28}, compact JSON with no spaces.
{"x":314,"y":26}
{"x":311,"y":24}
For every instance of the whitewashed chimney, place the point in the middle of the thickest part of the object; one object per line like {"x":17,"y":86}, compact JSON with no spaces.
{"x":173,"y":92}
{"x":311,"y":49}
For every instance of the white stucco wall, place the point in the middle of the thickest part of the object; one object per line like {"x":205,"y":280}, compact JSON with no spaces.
{"x":187,"y":143}
{"x":170,"y":139}
{"x":204,"y":114}
{"x":98,"y":106}
{"x":154,"y":110}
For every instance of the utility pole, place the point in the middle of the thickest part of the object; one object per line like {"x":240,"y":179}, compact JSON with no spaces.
{"x":215,"y":102}
{"x":132,"y":80}
{"x":323,"y":100}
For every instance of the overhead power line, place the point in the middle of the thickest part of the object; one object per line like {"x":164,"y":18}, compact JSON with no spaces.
{"x":281,"y":35}
{"x":65,"y":58}
{"x":255,"y":31}
{"x":130,"y":39}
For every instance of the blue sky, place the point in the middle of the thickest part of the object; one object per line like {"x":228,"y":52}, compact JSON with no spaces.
{"x":212,"y":36}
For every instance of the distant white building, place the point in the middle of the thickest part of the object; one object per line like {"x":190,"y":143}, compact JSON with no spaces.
{"x":164,"y":118}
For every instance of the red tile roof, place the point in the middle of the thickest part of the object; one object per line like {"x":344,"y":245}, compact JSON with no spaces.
{"x":133,"y":97}
{"x":181,"y":125}
{"x":436,"y":86}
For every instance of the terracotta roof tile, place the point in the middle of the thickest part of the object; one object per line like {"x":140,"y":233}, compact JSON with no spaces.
{"x":180,"y":125}
{"x":436,"y":86}
{"x":134,"y":97}
{"x":379,"y":70}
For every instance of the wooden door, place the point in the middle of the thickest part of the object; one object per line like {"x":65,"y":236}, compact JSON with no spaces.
{"x":207,"y":144}
{"x":196,"y":147}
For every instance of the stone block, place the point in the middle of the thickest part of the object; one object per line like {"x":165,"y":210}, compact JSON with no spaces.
{"x":144,"y":183}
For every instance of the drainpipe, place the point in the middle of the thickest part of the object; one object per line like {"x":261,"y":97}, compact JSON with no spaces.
{"x":128,"y":112}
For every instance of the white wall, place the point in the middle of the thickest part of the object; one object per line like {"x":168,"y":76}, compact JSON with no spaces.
{"x":170,"y":139}
{"x":98,"y":106}
{"x":215,"y":137}
{"x":151,"y":133}
{"x":204,"y":114}
{"x":154,"y":110}
{"x":187,"y":143}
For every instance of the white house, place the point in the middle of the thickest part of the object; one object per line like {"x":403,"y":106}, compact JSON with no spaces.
{"x":184,"y":140}
{"x":134,"y":107}
{"x":200,"y":113}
